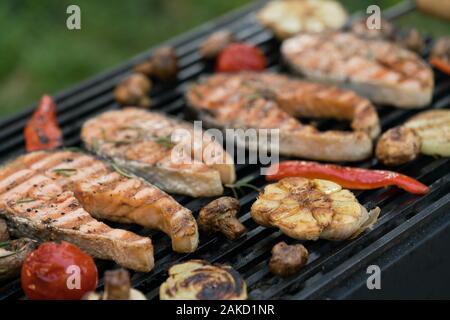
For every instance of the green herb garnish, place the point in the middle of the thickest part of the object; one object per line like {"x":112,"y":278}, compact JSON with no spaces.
{"x":4,"y":244}
{"x":73,"y":149}
{"x":165,"y":142}
{"x":122,"y":171}
{"x":65,"y":171}
{"x":243,"y":183}
{"x":24,"y":201}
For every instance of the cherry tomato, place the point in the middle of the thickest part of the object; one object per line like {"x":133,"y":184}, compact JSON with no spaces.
{"x":58,"y":271}
{"x":240,"y":56}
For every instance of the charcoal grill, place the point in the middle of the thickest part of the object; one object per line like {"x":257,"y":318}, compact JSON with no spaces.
{"x":407,"y":242}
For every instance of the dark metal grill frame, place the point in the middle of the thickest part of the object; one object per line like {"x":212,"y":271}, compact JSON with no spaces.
{"x":330,"y":262}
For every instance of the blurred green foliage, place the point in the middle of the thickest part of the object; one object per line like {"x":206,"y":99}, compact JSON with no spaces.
{"x":38,"y":54}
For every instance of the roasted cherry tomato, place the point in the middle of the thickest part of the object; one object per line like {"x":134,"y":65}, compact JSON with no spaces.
{"x":240,"y":56}
{"x":58,"y":271}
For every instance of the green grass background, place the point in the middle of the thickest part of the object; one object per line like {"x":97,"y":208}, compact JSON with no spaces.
{"x":38,"y":54}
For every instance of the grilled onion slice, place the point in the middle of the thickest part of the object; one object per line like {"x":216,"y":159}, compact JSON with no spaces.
{"x":307,"y":209}
{"x":199,"y":280}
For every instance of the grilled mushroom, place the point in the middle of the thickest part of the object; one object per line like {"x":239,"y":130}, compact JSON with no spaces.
{"x":4,"y":234}
{"x":12,"y":255}
{"x":397,"y":146}
{"x":311,"y":209}
{"x":134,"y":90}
{"x":220,"y":215}
{"x":117,"y":287}
{"x":411,"y":39}
{"x":165,"y":63}
{"x":386,"y":30}
{"x":199,"y":280}
{"x":215,"y":43}
{"x":286,"y":259}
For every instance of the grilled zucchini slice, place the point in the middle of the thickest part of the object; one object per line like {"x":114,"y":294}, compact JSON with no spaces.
{"x":433,"y":128}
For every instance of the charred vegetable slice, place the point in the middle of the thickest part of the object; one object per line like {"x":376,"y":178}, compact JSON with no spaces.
{"x":199,"y":280}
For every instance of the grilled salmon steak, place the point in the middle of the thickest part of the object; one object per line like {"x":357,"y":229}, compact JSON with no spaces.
{"x":272,"y":101}
{"x":380,"y":70}
{"x":311,"y":209}
{"x":167,"y":152}
{"x":57,"y":194}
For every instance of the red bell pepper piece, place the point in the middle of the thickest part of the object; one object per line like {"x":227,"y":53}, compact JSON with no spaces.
{"x":347,"y":177}
{"x":440,"y":64}
{"x":42,"y":131}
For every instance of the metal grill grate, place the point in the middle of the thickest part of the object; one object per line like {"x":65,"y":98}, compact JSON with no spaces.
{"x":401,"y":213}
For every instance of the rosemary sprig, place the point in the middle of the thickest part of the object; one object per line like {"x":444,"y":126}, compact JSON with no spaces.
{"x":24,"y":200}
{"x":165,"y":142}
{"x":4,"y":244}
{"x":121,"y":171}
{"x":243,"y":183}
{"x":73,"y":149}
{"x":64,"y":171}
{"x":9,"y":254}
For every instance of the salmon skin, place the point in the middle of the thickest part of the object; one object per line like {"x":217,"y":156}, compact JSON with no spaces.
{"x":380,"y":70}
{"x":267,"y":100}
{"x":58,"y":195}
{"x":146,"y":143}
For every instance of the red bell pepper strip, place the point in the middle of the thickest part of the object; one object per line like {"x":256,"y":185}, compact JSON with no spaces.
{"x":440,"y":64}
{"x":347,"y":177}
{"x":42,"y":131}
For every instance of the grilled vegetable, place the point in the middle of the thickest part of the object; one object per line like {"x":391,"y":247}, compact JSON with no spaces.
{"x":440,"y":55}
{"x":397,"y":146}
{"x":220,"y":215}
{"x":134,"y":90}
{"x":12,"y":255}
{"x":58,"y":271}
{"x":381,"y":71}
{"x":287,"y":18}
{"x":311,"y":209}
{"x":240,"y":56}
{"x":4,"y":234}
{"x":286,"y":259}
{"x":386,"y":30}
{"x":42,"y":131}
{"x":215,"y":43}
{"x":117,"y":287}
{"x":347,"y":177}
{"x":411,"y":39}
{"x":433,"y":128}
{"x":199,"y":280}
{"x":163,"y":64}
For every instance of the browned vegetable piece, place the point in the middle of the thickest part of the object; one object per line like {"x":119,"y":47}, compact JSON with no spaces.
{"x":215,"y":43}
{"x":164,"y":63}
{"x":134,"y":90}
{"x":4,"y":234}
{"x":397,"y":146}
{"x":359,"y":27}
{"x":220,"y":215}
{"x":117,"y":287}
{"x":12,"y":256}
{"x":286,"y":259}
{"x":411,"y":39}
